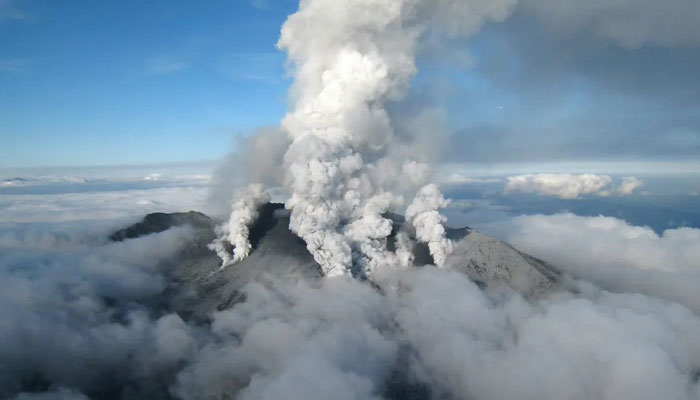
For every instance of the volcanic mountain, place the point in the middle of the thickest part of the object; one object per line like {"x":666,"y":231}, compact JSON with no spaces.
{"x":198,"y":286}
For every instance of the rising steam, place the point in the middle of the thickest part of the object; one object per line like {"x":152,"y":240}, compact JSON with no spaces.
{"x":84,"y":317}
{"x":244,"y":212}
{"x":350,"y":59}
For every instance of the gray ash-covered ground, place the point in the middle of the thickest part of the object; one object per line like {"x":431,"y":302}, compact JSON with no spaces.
{"x":198,"y":286}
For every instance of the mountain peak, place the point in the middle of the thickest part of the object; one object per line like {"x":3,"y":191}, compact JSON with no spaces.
{"x":199,"y":286}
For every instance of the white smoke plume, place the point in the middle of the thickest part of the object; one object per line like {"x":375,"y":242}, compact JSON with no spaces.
{"x":245,"y":165}
{"x":349,"y":60}
{"x":236,"y":231}
{"x":423,"y":215}
{"x":404,"y":249}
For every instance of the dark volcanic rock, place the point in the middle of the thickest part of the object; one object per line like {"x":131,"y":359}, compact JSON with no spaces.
{"x":277,"y":252}
{"x":159,"y":222}
{"x":199,"y":286}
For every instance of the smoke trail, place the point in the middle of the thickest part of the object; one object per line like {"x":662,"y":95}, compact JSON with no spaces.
{"x":244,"y":212}
{"x":423,"y":215}
{"x":350,"y":59}
{"x":342,"y":171}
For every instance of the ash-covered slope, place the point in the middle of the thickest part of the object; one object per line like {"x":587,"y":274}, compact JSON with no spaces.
{"x":198,"y":286}
{"x":490,"y":261}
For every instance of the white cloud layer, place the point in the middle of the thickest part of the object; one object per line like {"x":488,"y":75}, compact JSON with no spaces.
{"x":568,"y":186}
{"x":98,"y":205}
{"x":607,"y":241}
{"x":462,"y":179}
{"x":613,"y":253}
{"x":71,"y":294}
{"x":339,"y":339}
{"x":66,"y":291}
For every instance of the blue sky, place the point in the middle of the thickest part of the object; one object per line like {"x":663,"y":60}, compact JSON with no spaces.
{"x":90,"y":83}
{"x":144,"y":82}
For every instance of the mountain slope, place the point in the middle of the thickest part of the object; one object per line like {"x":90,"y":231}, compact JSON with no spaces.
{"x":198,"y":287}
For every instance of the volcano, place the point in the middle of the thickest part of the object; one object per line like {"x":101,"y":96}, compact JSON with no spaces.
{"x":198,"y":286}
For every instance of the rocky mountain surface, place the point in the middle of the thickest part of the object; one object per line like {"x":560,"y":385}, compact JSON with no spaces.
{"x":198,"y":287}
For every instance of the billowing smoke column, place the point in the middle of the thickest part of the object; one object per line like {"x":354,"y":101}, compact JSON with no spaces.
{"x":423,"y":215}
{"x":244,"y":212}
{"x":350,"y":59}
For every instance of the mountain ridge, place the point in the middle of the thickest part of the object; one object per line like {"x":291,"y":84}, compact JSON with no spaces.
{"x":199,"y":287}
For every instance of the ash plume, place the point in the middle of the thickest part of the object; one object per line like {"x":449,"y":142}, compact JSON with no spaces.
{"x":244,"y":212}
{"x":424,"y":216}
{"x":92,"y":312}
{"x":349,"y":60}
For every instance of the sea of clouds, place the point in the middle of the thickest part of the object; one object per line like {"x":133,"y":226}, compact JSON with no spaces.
{"x":81,"y":317}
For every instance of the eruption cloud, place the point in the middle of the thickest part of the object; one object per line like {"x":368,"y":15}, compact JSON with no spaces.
{"x":145,"y":317}
{"x":350,"y":59}
{"x":423,"y":215}
{"x":244,"y":213}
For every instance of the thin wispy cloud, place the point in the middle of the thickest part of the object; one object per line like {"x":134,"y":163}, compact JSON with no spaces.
{"x":165,"y":66}
{"x":13,"y":65}
{"x":259,"y":3}
{"x":461,"y":179}
{"x":267,"y":4}
{"x":266,"y":67}
{"x":9,"y":11}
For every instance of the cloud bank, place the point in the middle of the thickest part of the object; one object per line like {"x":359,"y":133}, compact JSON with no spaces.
{"x":629,"y":185}
{"x":69,"y":294}
{"x":93,"y":305}
{"x":613,"y":253}
{"x":608,"y":241}
{"x":592,"y":80}
{"x":340,"y":339}
{"x":431,"y":332}
{"x":628,"y":23}
{"x":568,"y":186}
{"x":99,"y":205}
